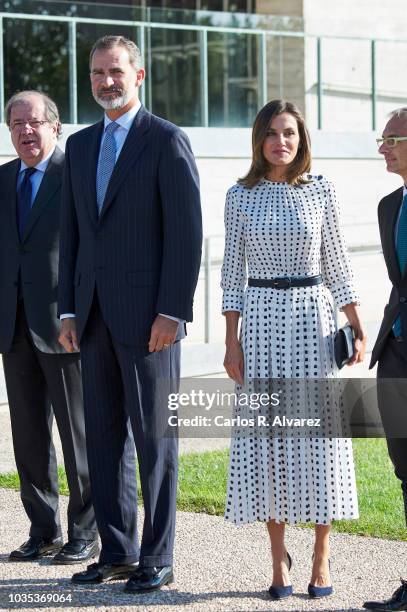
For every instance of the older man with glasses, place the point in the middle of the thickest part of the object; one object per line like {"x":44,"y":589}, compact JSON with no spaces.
{"x":390,"y":350}
{"x":42,"y":381}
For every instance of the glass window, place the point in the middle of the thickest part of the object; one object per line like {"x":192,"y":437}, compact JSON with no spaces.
{"x":36,"y":57}
{"x":242,"y":6}
{"x":173,"y":76}
{"x":285,"y":64}
{"x":233,"y":79}
{"x":311,"y":81}
{"x":212,"y":5}
{"x":86,"y":35}
{"x":180,"y":4}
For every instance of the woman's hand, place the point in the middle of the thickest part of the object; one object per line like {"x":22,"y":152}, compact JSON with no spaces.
{"x":234,"y":361}
{"x":352,"y":314}
{"x":360,"y":346}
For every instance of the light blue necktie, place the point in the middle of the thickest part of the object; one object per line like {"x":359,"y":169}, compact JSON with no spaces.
{"x":106,"y":164}
{"x":401,"y":248}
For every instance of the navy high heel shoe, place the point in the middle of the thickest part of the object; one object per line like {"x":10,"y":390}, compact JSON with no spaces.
{"x":281,"y":592}
{"x":315,"y":592}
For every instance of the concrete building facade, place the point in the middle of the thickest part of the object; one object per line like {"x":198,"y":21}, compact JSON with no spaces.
{"x":343,"y":63}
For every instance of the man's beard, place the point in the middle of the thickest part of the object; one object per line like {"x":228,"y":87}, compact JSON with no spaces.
{"x":114,"y":103}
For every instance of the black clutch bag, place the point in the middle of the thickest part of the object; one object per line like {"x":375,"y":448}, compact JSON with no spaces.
{"x":344,"y":346}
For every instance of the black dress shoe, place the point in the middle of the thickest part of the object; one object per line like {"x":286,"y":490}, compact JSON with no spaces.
{"x":76,"y":551}
{"x":102,"y":572}
{"x":398,"y":601}
{"x":35,"y":548}
{"x":147,"y":579}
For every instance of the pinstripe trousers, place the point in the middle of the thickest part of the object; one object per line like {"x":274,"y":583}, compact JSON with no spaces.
{"x":125,"y":399}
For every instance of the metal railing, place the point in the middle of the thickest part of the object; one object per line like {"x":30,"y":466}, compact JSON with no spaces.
{"x":263,"y":36}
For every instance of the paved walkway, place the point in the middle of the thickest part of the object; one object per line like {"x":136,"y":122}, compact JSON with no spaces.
{"x":217,"y":567}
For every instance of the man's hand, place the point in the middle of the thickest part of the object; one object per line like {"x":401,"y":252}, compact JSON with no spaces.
{"x":67,"y":336}
{"x":163,"y":333}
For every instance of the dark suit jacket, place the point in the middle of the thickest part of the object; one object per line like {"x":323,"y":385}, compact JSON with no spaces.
{"x":34,"y":259}
{"x":388,"y":212}
{"x":143,"y":253}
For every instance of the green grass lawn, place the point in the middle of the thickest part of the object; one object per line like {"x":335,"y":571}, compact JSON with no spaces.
{"x":380,"y":499}
{"x":202,"y":486}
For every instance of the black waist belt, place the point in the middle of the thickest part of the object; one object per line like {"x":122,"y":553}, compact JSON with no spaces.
{"x":285,"y":282}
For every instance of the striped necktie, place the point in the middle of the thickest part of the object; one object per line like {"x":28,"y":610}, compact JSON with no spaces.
{"x":106,"y":164}
{"x":24,"y":200}
{"x":401,"y":248}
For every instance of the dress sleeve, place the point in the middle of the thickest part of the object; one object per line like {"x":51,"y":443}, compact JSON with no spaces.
{"x":234,"y":261}
{"x":335,"y":264}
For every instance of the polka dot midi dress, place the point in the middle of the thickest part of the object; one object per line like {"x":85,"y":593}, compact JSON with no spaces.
{"x":274,"y":230}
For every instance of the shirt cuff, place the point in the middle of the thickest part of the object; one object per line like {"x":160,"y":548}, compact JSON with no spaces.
{"x":172,"y":318}
{"x":233,"y":299}
{"x":343,"y":294}
{"x":67,"y":315}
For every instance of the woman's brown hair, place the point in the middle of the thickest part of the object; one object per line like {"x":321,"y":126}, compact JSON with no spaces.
{"x":260,"y":166}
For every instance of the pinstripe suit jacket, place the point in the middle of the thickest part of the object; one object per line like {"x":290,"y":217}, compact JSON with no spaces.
{"x":143,"y":252}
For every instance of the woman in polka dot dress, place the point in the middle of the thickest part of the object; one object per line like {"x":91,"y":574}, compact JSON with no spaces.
{"x":282,"y":222}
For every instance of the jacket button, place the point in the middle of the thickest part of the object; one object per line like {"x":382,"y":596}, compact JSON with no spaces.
{"x":403,"y":299}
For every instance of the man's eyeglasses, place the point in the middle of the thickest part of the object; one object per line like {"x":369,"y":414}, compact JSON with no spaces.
{"x":390,"y":142}
{"x":35,"y":124}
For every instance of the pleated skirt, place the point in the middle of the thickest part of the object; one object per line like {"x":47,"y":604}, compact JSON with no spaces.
{"x":288,"y":334}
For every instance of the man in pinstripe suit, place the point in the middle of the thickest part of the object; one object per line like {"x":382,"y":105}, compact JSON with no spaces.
{"x":131,"y":236}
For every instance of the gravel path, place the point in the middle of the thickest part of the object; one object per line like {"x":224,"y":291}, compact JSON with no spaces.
{"x":217,"y":567}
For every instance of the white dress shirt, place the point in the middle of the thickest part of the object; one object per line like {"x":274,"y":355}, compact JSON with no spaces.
{"x":120,"y":134}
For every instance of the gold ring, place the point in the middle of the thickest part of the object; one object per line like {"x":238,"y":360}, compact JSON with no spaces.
{"x":166,"y":345}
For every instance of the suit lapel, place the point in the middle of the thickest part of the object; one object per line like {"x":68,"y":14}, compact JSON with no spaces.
{"x":133,"y":146}
{"x":404,"y":274}
{"x":50,"y":183}
{"x":11,"y":189}
{"x":389,"y":247}
{"x":89,"y":183}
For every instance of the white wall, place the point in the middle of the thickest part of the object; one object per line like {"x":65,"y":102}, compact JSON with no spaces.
{"x":350,"y":160}
{"x":356,"y":18}
{"x":360,"y":185}
{"x":346,"y":64}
